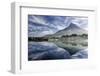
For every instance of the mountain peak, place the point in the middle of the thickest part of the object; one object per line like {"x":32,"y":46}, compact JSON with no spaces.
{"x":71,"y":29}
{"x":72,"y":26}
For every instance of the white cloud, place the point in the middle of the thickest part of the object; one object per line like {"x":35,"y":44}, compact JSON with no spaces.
{"x":38,"y":19}
{"x":81,"y":22}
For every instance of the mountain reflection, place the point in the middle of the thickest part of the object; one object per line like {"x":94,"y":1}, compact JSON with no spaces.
{"x":50,"y":50}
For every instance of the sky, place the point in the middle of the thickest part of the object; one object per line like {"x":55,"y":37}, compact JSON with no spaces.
{"x":41,"y":25}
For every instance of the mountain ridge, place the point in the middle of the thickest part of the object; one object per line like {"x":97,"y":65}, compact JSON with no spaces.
{"x":71,"y":29}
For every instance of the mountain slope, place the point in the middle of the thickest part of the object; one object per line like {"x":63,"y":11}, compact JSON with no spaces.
{"x":71,"y":29}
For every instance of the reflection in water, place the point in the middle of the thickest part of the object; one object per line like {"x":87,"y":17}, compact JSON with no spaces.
{"x":55,"y":50}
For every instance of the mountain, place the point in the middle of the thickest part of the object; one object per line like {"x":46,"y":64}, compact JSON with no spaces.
{"x":71,"y":29}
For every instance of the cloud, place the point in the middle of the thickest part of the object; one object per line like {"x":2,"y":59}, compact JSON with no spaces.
{"x":37,"y":19}
{"x":81,"y":22}
{"x":40,"y":25}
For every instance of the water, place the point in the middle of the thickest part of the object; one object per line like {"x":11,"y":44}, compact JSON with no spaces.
{"x":55,"y":50}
